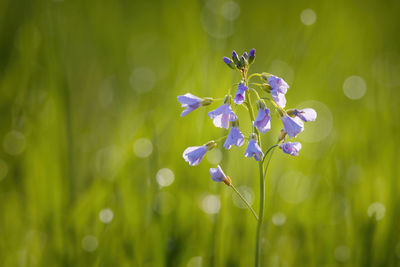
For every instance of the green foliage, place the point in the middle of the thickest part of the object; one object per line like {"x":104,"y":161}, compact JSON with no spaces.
{"x":82,"y":81}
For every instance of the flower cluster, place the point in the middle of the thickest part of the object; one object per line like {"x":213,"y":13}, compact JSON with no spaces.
{"x":273,"y":90}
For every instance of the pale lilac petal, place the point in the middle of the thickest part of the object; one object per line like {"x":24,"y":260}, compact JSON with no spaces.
{"x":279,"y":98}
{"x":307,"y":114}
{"x":222,"y":115}
{"x":217,"y":174}
{"x":278,"y":84}
{"x":291,"y":148}
{"x":253,"y":150}
{"x":194,"y":154}
{"x":235,"y":137}
{"x":240,"y":94}
{"x":189,"y":99}
{"x":292,"y":126}
{"x":263,"y":120}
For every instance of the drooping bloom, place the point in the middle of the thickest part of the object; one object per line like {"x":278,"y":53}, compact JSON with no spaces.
{"x":278,"y":90}
{"x":240,"y":93}
{"x":253,"y":149}
{"x":292,"y":126}
{"x":263,"y":120}
{"x":191,"y":102}
{"x":219,"y":176}
{"x":307,"y":114}
{"x":291,"y":148}
{"x":235,"y":136}
{"x":195,"y":154}
{"x":222,"y":115}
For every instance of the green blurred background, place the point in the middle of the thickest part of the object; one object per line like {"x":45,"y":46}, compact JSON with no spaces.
{"x":91,"y":141}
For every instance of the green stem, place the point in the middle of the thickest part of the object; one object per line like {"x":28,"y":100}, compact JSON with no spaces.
{"x":245,"y":201}
{"x":260,"y":216}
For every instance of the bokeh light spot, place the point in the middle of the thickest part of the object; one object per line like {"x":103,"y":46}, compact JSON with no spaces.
{"x":165,"y":177}
{"x":3,"y":169}
{"x":308,"y":16}
{"x":106,"y":215}
{"x":89,"y":243}
{"x":195,"y":262}
{"x":143,"y":147}
{"x":342,"y":253}
{"x":354,"y":87}
{"x":142,"y":79}
{"x":279,"y":219}
{"x":211,"y":204}
{"x":14,"y":143}
{"x":230,"y":10}
{"x":214,"y":156}
{"x":376,"y":210}
{"x":247,"y":193}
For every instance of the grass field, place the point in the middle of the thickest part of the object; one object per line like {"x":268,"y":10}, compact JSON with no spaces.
{"x":91,"y":138}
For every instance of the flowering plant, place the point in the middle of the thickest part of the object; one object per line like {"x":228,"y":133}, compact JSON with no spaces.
{"x":274,"y":90}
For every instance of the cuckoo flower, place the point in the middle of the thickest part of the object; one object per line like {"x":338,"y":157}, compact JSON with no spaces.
{"x":291,"y":148}
{"x":307,"y":114}
{"x":195,"y":154}
{"x":292,"y":126}
{"x":191,"y":102}
{"x":240,"y":93}
{"x":278,"y":90}
{"x":235,"y":136}
{"x":253,"y":149}
{"x":222,"y":115}
{"x":219,"y":176}
{"x":263,"y":119}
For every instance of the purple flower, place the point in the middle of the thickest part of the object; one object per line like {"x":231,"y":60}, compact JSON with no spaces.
{"x":278,"y":84}
{"x":229,"y":62}
{"x":292,"y":126}
{"x":278,"y":90}
{"x":235,"y":137}
{"x":279,"y":98}
{"x":217,"y":174}
{"x":195,"y":154}
{"x":263,"y":120}
{"x":240,"y":94}
{"x":254,"y":150}
{"x":307,"y":114}
{"x":252,"y":55}
{"x":291,"y":148}
{"x":222,"y":115}
{"x":190,"y":102}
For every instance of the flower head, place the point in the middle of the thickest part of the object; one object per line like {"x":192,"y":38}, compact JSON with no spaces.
{"x":219,"y":176}
{"x":291,"y":148}
{"x":195,"y":154}
{"x":253,"y":150}
{"x":307,"y":114}
{"x":263,"y":120}
{"x":191,"y":102}
{"x":240,"y":93}
{"x":235,"y":137}
{"x":278,"y":90}
{"x":222,"y":115}
{"x":292,"y":126}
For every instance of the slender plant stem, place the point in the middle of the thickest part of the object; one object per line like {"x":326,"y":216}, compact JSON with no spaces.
{"x":245,"y":201}
{"x":260,"y":216}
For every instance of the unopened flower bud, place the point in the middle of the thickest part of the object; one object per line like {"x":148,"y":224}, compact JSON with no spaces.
{"x":229,"y":62}
{"x":206,"y":101}
{"x":243,"y":62}
{"x":245,"y":55}
{"x":260,"y":104}
{"x":227,"y":100}
{"x":282,"y":135}
{"x":235,"y":58}
{"x":210,"y":145}
{"x":252,"y":56}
